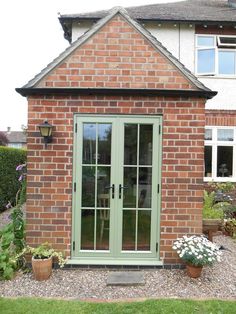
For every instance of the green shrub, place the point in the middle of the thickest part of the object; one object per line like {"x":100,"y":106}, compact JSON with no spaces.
{"x":211,"y":210}
{"x":10,"y":158}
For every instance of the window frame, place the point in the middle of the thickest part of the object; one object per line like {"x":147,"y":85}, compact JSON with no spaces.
{"x":214,"y":143}
{"x":216,"y":48}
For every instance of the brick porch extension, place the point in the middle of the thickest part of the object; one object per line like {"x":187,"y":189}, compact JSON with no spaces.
{"x":116,"y":56}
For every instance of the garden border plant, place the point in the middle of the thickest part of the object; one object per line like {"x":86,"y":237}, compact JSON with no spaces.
{"x":12,"y":236}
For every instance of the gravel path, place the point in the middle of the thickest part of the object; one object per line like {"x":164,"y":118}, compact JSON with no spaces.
{"x":4,"y":216}
{"x":218,"y":282}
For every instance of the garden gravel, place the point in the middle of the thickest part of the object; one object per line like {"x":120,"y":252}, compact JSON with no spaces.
{"x":217,"y":282}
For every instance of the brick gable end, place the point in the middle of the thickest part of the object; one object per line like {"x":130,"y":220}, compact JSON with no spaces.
{"x":116,"y":56}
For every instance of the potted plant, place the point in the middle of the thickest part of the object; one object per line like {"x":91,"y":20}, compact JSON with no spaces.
{"x":213,"y":215}
{"x":42,"y":260}
{"x":196,"y":251}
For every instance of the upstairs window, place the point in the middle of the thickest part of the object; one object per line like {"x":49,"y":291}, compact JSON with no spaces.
{"x":216,"y":55}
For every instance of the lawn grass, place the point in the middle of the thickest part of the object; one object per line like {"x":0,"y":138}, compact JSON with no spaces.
{"x":167,"y":306}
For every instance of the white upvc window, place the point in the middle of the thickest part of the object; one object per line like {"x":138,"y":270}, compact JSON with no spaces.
{"x":215,"y":55}
{"x":220,"y":154}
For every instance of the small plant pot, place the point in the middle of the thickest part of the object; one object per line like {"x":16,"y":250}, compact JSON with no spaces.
{"x":194,"y":271}
{"x":211,"y":226}
{"x":42,"y":268}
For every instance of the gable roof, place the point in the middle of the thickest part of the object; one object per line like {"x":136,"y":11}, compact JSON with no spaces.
{"x":32,"y":84}
{"x":15,"y":136}
{"x":195,"y":11}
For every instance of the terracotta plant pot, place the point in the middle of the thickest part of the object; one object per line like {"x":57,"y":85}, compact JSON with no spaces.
{"x":211,"y":226}
{"x":42,"y":268}
{"x":193,"y":271}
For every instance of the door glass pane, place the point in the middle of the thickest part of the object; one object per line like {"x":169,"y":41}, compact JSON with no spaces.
{"x":104,"y":143}
{"x":103,"y":229}
{"x":130,"y":144}
{"x":145,"y":144}
{"x":208,"y":161}
{"x":205,"y":41}
{"x":88,"y":186}
{"x":144,"y":230}
{"x":145,"y":187}
{"x":130,"y":187}
{"x":225,"y":135}
{"x":103,"y":184}
{"x":129,"y":230}
{"x":206,"y":61}
{"x":89,"y":143}
{"x":224,"y":161}
{"x":87,"y":229}
{"x":227,"y":62}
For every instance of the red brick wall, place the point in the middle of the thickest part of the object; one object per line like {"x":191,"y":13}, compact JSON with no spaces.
{"x":118,"y":57}
{"x":221,"y":118}
{"x":49,"y":191}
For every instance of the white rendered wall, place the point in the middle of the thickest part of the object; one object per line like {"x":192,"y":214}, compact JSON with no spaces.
{"x":78,"y":29}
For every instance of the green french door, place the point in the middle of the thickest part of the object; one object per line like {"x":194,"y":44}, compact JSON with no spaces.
{"x":116,"y":199}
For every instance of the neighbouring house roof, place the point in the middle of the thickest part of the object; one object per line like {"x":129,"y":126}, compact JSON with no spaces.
{"x":195,"y":11}
{"x":31,"y":86}
{"x":16,"y":137}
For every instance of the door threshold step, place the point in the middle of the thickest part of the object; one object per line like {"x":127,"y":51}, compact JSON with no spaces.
{"x":124,"y":278}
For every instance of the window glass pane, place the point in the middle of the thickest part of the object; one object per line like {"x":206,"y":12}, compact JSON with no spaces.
{"x":145,"y":144}
{"x":130,"y":152}
{"x":226,"y":62}
{"x":206,"y":61}
{"x":129,"y":230}
{"x":87,"y":229}
{"x":88,"y":186}
{"x":144,"y":230}
{"x":208,"y":134}
{"x":224,"y":161}
{"x":89,"y":143}
{"x":225,"y":135}
{"x":130,"y":184}
{"x":145,"y":187}
{"x":208,"y":161}
{"x":227,"y":40}
{"x":103,"y":229}
{"x":104,"y":144}
{"x":103,"y":187}
{"x":205,"y":41}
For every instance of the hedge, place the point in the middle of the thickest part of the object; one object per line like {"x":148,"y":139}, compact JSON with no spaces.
{"x":10,"y":158}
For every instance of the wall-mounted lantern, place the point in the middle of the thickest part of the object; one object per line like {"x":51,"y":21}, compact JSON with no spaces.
{"x":46,"y":132}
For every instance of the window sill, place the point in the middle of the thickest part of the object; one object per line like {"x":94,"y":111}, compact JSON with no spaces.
{"x":219,"y":179}
{"x":216,"y":77}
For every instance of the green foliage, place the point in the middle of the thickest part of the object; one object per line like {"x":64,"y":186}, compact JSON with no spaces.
{"x":7,"y":256}
{"x":211,"y":210}
{"x":44,"y":251}
{"x":224,"y":187}
{"x":9,"y":184}
{"x":230,"y":227}
{"x":12,"y":236}
{"x":166,"y":306}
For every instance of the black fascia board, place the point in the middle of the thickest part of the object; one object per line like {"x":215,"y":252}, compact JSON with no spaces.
{"x":116,"y":92}
{"x":171,"y":20}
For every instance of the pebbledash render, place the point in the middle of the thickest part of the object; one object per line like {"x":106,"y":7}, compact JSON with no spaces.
{"x":123,"y":176}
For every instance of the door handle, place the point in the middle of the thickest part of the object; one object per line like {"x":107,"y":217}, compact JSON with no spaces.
{"x":122,"y":187}
{"x":112,"y":187}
